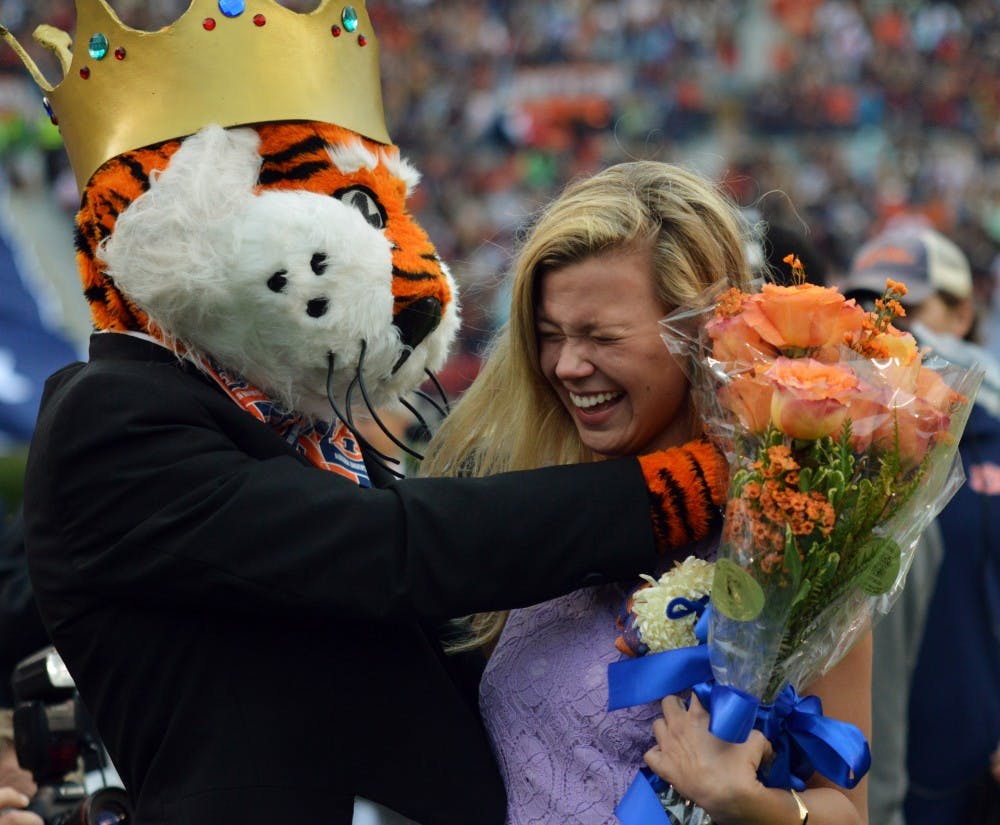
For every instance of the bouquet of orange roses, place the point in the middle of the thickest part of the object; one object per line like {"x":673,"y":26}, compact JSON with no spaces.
{"x":842,"y":436}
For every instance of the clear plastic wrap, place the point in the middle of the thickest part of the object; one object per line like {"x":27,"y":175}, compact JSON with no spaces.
{"x":842,"y":439}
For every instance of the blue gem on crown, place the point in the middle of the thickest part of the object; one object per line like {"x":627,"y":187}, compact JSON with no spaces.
{"x":232,"y":8}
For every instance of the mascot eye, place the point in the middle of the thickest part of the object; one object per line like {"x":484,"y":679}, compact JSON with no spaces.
{"x":363,"y":199}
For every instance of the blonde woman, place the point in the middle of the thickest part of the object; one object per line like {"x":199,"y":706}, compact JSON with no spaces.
{"x":580,"y":374}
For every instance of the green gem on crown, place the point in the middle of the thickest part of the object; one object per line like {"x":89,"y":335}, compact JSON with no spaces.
{"x":98,"y":46}
{"x":350,"y":18}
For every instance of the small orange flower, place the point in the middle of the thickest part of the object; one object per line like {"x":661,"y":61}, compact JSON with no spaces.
{"x":781,"y":460}
{"x":771,"y":562}
{"x":896,"y":287}
{"x":879,"y":321}
{"x":730,"y":303}
{"x":798,"y":271}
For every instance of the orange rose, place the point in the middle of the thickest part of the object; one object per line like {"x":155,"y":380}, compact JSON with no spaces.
{"x":749,"y":397}
{"x":932,"y":388}
{"x":869,"y":412}
{"x":802,"y":317}
{"x":889,"y":373}
{"x":896,"y":344}
{"x":810,"y":398}
{"x":916,"y":424}
{"x":734,"y":341}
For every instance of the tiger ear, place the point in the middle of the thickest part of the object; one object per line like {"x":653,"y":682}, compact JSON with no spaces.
{"x":214,"y":164}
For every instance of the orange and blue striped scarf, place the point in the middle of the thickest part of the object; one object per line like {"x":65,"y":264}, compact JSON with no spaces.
{"x":328,"y":446}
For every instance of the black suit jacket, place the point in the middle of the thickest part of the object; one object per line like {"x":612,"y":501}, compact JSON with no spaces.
{"x":250,"y":632}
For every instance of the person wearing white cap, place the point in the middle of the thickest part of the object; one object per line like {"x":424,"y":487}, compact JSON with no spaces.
{"x":954,"y":693}
{"x":936,"y":273}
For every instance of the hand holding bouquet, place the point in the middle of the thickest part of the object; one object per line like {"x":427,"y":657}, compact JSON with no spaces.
{"x":841,"y":435}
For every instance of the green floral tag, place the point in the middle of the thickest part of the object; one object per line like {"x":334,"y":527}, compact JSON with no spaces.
{"x":735,"y":593}
{"x":881,"y":566}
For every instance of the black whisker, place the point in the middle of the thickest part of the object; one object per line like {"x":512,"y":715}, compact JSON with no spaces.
{"x":437,"y":407}
{"x":347,"y":402}
{"x":371,"y":407}
{"x":376,"y":456}
{"x":441,"y":392}
{"x":425,"y":427}
{"x":350,"y":415}
{"x":386,"y":467}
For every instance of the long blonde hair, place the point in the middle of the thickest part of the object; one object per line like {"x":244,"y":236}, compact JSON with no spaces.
{"x":510,"y":418}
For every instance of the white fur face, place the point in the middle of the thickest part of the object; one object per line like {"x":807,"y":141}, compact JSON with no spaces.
{"x":270,"y":284}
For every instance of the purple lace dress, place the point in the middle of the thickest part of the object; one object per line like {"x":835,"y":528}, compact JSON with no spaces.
{"x":565,"y":759}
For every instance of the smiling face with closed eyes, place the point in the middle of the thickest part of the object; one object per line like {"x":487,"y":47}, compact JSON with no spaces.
{"x":600,"y":349}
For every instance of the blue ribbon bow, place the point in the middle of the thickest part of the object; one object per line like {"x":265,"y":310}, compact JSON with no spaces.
{"x":803,"y":740}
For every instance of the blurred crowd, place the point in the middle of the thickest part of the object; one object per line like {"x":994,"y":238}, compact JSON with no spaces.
{"x":831,"y":117}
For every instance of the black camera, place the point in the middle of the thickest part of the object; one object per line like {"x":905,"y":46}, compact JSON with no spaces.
{"x":54,"y":736}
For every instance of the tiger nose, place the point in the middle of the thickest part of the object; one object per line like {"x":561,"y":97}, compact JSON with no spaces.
{"x":415,"y":323}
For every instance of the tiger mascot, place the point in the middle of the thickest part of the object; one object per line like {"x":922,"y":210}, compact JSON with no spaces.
{"x":247,"y":602}
{"x":295,"y":245}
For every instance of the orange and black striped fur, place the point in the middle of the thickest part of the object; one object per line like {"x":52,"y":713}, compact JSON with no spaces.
{"x":687,"y":489}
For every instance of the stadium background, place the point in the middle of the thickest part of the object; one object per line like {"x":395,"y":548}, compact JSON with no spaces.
{"x":829,"y":117}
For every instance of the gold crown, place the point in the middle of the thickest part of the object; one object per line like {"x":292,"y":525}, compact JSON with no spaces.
{"x":225,"y":62}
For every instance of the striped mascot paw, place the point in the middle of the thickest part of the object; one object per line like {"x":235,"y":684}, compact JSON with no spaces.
{"x":687,"y":489}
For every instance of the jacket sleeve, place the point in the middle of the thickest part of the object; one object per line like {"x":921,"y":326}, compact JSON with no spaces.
{"x":152,"y":498}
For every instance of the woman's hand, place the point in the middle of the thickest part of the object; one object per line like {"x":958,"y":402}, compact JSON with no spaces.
{"x":717,"y":775}
{"x":10,"y":800}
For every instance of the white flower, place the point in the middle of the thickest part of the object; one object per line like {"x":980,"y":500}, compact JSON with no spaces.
{"x":690,"y":579}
